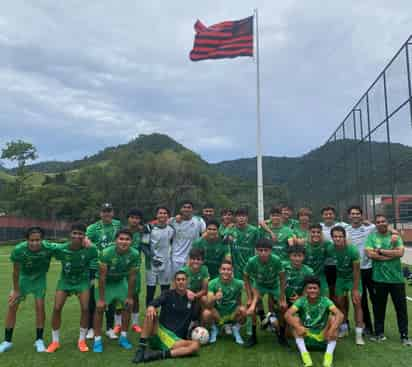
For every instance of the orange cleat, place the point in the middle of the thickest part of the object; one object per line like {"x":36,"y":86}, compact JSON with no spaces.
{"x":83,"y":346}
{"x":53,"y":347}
{"x":136,"y":328}
{"x":117,"y":329}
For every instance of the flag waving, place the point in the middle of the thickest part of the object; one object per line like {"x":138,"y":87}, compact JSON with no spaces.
{"x":223,"y":40}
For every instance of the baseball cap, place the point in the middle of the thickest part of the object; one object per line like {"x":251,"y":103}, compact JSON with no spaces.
{"x":107,"y":207}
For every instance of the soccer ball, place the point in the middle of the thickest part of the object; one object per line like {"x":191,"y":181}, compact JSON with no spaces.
{"x":200,"y":334}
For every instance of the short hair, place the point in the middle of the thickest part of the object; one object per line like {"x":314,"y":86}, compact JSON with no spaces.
{"x":209,"y":205}
{"x":180,"y":272}
{"x":286,"y":206}
{"x":241,"y":211}
{"x":35,"y":229}
{"x":186,"y":202}
{"x":78,"y":227}
{"x":338,"y":229}
{"x":315,"y":226}
{"x":276,"y":211}
{"x":296,"y":249}
{"x":125,"y":231}
{"x":226,"y":262}
{"x":304,"y":212}
{"x":196,"y":253}
{"x":311,"y":279}
{"x":327,"y":208}
{"x":225,"y":211}
{"x":263,"y":243}
{"x":380,"y":215}
{"x":135,"y":213}
{"x":354,"y":207}
{"x":164,"y":208}
{"x":212,"y":222}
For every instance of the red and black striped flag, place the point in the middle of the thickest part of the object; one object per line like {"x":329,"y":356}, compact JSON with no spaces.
{"x":223,"y":40}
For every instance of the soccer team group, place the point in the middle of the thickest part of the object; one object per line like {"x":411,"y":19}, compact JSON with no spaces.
{"x":215,"y":274}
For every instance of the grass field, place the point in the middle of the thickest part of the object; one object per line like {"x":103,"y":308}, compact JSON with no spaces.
{"x":224,"y":353}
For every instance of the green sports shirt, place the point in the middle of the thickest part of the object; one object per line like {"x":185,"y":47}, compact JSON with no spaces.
{"x":301,"y":233}
{"x":281,"y":245}
{"x":387,"y":271}
{"x":231,"y":291}
{"x":119,"y":265}
{"x":345,"y":258}
{"x":195,"y":280}
{"x":264,"y":275}
{"x":75,"y":263}
{"x":102,"y":235}
{"x":314,"y":316}
{"x":291,"y":223}
{"x":214,"y":253}
{"x":315,"y":256}
{"x":295,"y":278}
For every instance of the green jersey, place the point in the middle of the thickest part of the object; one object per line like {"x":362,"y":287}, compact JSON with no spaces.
{"x":232,"y":292}
{"x":345,"y":258}
{"x":136,"y":243}
{"x":224,"y":231}
{"x":33,"y":264}
{"x":316,"y":254}
{"x":314,"y":316}
{"x":101,"y":234}
{"x":75,"y":263}
{"x":387,"y":271}
{"x":195,"y":280}
{"x":291,"y":223}
{"x":281,"y":245}
{"x":242,"y":247}
{"x":264,"y":275}
{"x":301,"y":233}
{"x":214,"y":254}
{"x":119,"y":265}
{"x":295,"y":278}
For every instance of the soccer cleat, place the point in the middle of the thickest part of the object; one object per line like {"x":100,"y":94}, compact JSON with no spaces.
{"x":139,"y":356}
{"x":117,"y":329}
{"x":136,"y":328}
{"x":124,"y":343}
{"x":343,"y":331}
{"x":378,"y":338}
{"x":82,"y":346}
{"x":39,"y":345}
{"x":252,"y":341}
{"x":406,"y":342}
{"x":328,"y":360}
{"x":111,"y":334}
{"x":153,"y":355}
{"x":53,"y":346}
{"x":306,"y":359}
{"x":213,"y":334}
{"x":90,"y":334}
{"x":359,"y":340}
{"x":98,"y":346}
{"x":5,"y":346}
{"x":236,"y":335}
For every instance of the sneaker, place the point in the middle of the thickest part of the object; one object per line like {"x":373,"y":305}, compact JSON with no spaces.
{"x":251,"y":342}
{"x":406,"y":342}
{"x":228,"y":329}
{"x":90,"y":334}
{"x":378,"y":338}
{"x":53,"y":346}
{"x":5,"y":346}
{"x":328,"y":360}
{"x":82,"y":346}
{"x":39,"y":345}
{"x":153,"y":355}
{"x":213,"y":334}
{"x":306,"y":359}
{"x":343,"y":331}
{"x":359,"y":340}
{"x":98,"y":346}
{"x":236,"y":335}
{"x":139,"y":356}
{"x":266,"y":321}
{"x":136,"y":328}
{"x":111,"y":334}
{"x":124,"y":343}
{"x":117,"y":329}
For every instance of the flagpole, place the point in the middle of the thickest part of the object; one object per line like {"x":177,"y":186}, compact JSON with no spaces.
{"x":258,"y":128}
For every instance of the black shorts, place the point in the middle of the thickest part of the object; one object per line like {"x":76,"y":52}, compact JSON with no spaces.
{"x":330,"y":273}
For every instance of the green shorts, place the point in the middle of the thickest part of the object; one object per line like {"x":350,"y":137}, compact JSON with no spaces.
{"x":163,"y":340}
{"x":344,"y":286}
{"x":114,"y":292}
{"x":37,"y":287}
{"x":226,"y":316}
{"x":72,"y":288}
{"x":275,"y":292}
{"x":315,"y":340}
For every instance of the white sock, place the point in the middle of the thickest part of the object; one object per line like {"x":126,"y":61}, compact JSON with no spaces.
{"x":135,"y":318}
{"x":331,"y":346}
{"x":83,"y":333}
{"x":56,"y":336}
{"x":358,"y":330}
{"x":123,"y":334}
{"x":117,"y":319}
{"x":97,"y":338}
{"x":236,"y":326}
{"x":300,"y":342}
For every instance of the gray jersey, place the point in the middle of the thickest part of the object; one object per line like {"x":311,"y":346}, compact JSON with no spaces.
{"x":358,"y":236}
{"x":187,"y":231}
{"x":159,"y":239}
{"x":327,"y":237}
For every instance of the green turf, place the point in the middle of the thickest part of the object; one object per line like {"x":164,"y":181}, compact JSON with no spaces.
{"x":224,"y":353}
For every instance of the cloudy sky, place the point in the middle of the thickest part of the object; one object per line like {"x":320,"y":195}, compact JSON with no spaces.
{"x":77,"y":76}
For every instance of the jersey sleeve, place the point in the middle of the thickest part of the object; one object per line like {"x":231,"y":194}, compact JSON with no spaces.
{"x":15,"y":255}
{"x":212,"y":287}
{"x":298,"y":304}
{"x":399,"y":242}
{"x":370,"y":241}
{"x":329,"y":304}
{"x":355,"y":256}
{"x":249,"y":268}
{"x":205,"y":272}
